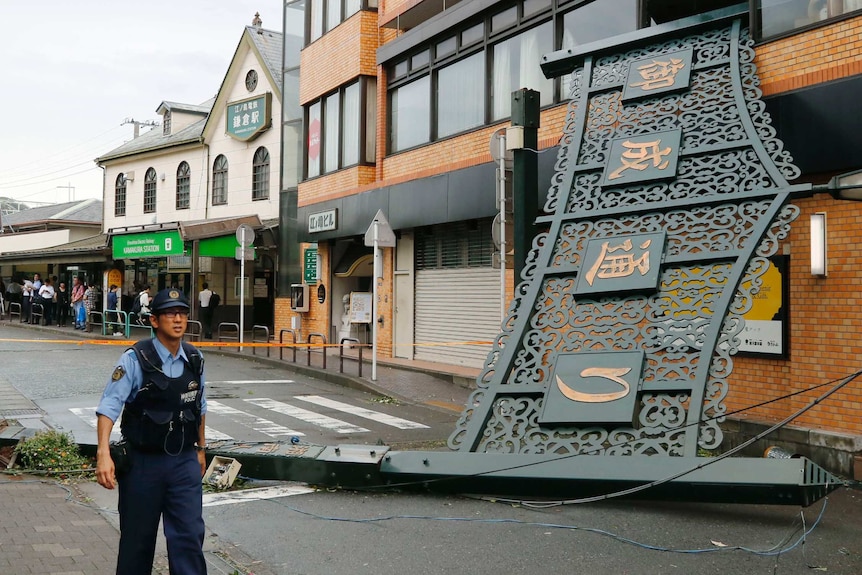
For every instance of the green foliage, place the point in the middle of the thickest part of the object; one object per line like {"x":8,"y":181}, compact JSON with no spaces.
{"x":52,"y":452}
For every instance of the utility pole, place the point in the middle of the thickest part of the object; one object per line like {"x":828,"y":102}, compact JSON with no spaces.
{"x":137,"y":124}
{"x":525,"y":119}
{"x":71,"y":190}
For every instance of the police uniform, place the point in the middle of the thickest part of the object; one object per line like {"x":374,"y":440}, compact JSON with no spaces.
{"x":161,"y":397}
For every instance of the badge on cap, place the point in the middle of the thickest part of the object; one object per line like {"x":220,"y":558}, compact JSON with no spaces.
{"x":174,"y":294}
{"x":119,"y":372}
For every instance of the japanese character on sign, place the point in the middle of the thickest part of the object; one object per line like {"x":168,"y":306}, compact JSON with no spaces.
{"x":617,"y":266}
{"x":659,"y":73}
{"x":638,"y":155}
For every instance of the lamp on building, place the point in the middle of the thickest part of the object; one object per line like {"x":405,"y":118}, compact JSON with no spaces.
{"x":818,"y":244}
{"x":844,"y":186}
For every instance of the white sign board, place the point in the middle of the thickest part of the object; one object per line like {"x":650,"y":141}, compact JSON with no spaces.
{"x":245,"y":235}
{"x":360,"y":307}
{"x":323,"y":221}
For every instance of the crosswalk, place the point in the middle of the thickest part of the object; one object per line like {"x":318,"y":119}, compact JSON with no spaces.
{"x":262,"y":417}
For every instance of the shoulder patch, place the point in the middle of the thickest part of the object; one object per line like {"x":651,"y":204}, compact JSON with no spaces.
{"x":118,"y":374}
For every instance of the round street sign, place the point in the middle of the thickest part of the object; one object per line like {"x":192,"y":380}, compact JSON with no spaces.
{"x":245,"y":235}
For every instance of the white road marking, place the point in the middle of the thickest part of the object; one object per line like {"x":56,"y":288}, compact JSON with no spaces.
{"x":377,"y":416}
{"x":247,"y":381}
{"x":88,"y":415}
{"x":256,"y":423}
{"x":308,"y":416}
{"x":245,"y":495}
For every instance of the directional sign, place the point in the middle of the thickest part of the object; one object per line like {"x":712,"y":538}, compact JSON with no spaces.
{"x":245,"y":235}
{"x":385,"y":235}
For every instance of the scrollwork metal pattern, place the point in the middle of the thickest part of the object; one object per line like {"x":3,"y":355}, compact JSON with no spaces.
{"x":722,"y":223}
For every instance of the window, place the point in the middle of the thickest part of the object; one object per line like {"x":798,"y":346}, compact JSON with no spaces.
{"x":516,"y":65}
{"x":260,"y":175}
{"x":220,"y":180}
{"x":183,"y":186}
{"x":166,"y":123}
{"x":330,"y":132}
{"x":410,"y":106}
{"x":150,"y":191}
{"x":120,"y":196}
{"x":461,"y":95}
{"x":782,"y":16}
{"x":341,"y":128}
{"x":324,"y":15}
{"x":457,"y":245}
{"x":471,"y":73}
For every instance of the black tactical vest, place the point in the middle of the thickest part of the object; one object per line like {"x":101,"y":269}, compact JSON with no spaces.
{"x":166,"y":412}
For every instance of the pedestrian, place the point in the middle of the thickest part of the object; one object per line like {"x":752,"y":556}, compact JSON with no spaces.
{"x":113,"y":302}
{"x":63,"y":304}
{"x":37,"y":283}
{"x":26,"y":300}
{"x":141,"y":307}
{"x":77,"y":301}
{"x":204,"y":298}
{"x":46,"y":298}
{"x":158,"y":385}
{"x":91,"y":304}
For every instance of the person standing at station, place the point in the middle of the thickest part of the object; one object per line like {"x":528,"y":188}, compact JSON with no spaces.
{"x":63,"y":304}
{"x":206,"y":311}
{"x":158,"y":386}
{"x":77,"y":301}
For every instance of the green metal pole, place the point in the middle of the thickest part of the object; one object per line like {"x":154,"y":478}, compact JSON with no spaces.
{"x":525,"y":168}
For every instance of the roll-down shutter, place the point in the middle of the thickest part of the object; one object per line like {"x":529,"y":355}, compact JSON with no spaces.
{"x":453,"y":306}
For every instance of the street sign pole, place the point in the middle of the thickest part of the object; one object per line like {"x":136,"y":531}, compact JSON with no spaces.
{"x":374,"y":296}
{"x":245,"y":237}
{"x":379,"y":235}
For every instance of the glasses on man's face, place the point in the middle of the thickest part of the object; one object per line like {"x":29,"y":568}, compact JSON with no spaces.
{"x":172,"y":313}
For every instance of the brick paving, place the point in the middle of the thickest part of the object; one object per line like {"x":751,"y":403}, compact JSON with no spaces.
{"x":48,"y":529}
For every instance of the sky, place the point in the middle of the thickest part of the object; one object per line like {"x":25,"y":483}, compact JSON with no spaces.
{"x":76,"y":70}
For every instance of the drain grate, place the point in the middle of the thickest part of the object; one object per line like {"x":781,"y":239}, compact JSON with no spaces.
{"x":20,"y":412}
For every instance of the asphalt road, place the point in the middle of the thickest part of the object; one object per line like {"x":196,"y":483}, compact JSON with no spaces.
{"x":299,"y":530}
{"x":249,"y":400}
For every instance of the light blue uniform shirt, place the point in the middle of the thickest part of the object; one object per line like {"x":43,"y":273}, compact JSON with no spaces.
{"x":124,"y":388}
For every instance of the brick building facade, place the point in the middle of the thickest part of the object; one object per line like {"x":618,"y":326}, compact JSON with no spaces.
{"x":809,"y":61}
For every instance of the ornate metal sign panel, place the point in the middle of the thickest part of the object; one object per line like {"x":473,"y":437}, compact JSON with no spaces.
{"x":670,"y":194}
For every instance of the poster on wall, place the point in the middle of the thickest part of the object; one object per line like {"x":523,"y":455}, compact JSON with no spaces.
{"x":766,"y":321}
{"x":360,"y":307}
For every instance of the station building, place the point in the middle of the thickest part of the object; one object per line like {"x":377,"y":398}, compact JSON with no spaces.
{"x":400,"y":102}
{"x":175,"y":195}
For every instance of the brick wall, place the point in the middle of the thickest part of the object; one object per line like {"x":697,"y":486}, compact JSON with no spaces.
{"x":339,"y":56}
{"x":825,"y":319}
{"x":336,"y":185}
{"x":819,"y":55}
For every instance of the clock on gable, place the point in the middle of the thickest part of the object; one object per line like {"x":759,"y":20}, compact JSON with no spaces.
{"x":251,"y":80}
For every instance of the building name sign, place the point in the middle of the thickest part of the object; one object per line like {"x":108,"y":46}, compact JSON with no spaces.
{"x":323,"y":221}
{"x":155,"y":245}
{"x":246,"y":119}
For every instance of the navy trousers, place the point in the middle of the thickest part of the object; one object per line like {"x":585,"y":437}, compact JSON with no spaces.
{"x":161,"y":485}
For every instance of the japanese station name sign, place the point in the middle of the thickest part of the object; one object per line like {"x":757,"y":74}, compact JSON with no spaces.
{"x":246,"y":119}
{"x":155,"y":245}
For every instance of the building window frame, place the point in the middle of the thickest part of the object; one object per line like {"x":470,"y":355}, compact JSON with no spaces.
{"x":150,"y":190}
{"x":220,"y":180}
{"x":358,"y":124}
{"x":323,"y":16}
{"x":260,"y":174}
{"x":184,"y":180}
{"x":406,"y":69}
{"x":120,"y":195}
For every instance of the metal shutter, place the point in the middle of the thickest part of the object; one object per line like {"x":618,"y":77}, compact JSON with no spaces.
{"x":453,"y":305}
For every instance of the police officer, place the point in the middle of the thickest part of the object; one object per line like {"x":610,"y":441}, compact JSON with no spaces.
{"x":158,"y":386}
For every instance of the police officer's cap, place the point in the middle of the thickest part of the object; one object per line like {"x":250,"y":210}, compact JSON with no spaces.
{"x":169,"y":298}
